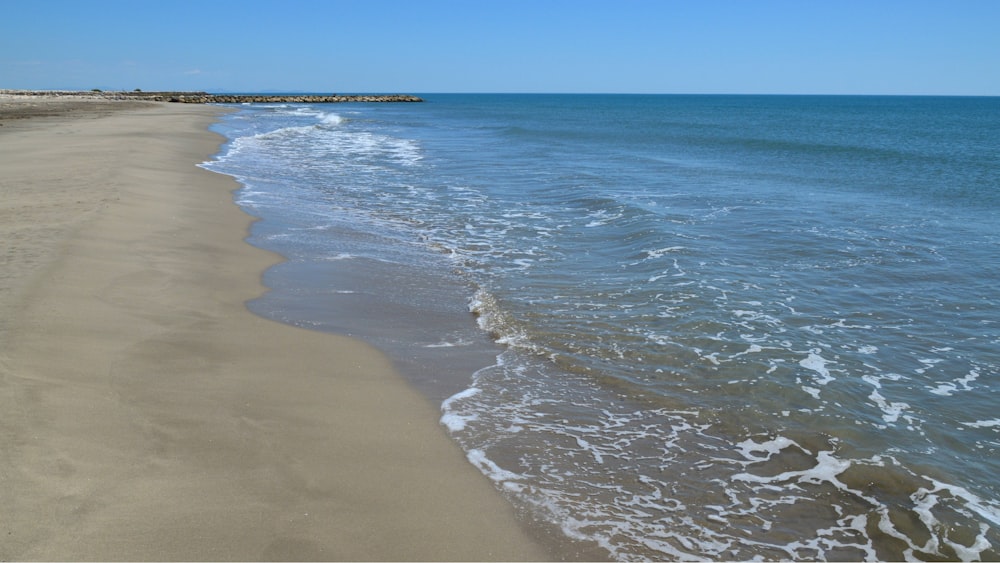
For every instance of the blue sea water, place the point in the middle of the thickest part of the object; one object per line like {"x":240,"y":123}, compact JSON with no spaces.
{"x":668,"y":327}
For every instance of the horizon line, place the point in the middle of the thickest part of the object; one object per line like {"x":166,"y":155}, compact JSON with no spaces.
{"x":495,"y":93}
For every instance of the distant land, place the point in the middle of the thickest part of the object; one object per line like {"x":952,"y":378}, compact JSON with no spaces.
{"x":208,"y":98}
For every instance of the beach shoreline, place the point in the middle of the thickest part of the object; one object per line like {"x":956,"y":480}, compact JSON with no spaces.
{"x":149,"y":415}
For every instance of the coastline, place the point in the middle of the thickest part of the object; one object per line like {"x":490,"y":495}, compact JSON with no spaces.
{"x":150,"y":415}
{"x":207,"y":98}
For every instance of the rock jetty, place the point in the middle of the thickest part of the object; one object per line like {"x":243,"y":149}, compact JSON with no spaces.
{"x":280,"y":98}
{"x":207,"y":98}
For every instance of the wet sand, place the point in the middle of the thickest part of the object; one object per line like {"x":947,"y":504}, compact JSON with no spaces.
{"x":147,"y":415}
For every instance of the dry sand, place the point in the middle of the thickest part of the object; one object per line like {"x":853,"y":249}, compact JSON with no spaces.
{"x":145,"y":414}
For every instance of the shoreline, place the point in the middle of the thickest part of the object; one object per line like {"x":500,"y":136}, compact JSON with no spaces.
{"x":150,"y":415}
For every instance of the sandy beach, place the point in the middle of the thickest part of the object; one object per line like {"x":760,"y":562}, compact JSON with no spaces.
{"x":147,"y":415}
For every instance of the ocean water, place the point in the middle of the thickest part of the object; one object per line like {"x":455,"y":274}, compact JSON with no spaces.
{"x":668,"y":327}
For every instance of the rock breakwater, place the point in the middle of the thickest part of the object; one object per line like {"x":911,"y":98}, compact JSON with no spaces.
{"x":207,"y":98}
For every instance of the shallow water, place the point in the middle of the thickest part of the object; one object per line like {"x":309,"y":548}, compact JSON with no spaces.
{"x":720,"y":327}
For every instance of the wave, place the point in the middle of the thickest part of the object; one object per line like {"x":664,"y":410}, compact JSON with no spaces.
{"x":646,"y":481}
{"x":331,"y":119}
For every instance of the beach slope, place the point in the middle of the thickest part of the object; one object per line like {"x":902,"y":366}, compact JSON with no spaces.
{"x":146,"y":414}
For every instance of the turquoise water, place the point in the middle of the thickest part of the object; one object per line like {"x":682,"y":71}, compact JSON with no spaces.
{"x":677,"y":327}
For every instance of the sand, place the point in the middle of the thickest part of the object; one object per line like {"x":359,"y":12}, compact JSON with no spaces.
{"x":145,"y":414}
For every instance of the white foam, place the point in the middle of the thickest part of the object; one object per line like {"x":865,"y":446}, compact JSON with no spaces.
{"x":842,"y":323}
{"x":281,"y":133}
{"x":925,"y":500}
{"x":748,"y":448}
{"x":489,"y":468}
{"x":470,"y":392}
{"x":651,"y":254}
{"x":973,"y":552}
{"x":812,"y":391}
{"x":457,"y":423}
{"x":825,"y":471}
{"x":983,"y":423}
{"x":990,"y":510}
{"x":340,"y":256}
{"x":817,"y":363}
{"x":756,"y":316}
{"x":753,"y":349}
{"x":453,"y":421}
{"x":890,"y":410}
{"x":447,"y":344}
{"x":928,"y":363}
{"x":588,"y":447}
{"x":946,"y":389}
{"x":602,"y":217}
{"x":331,"y":119}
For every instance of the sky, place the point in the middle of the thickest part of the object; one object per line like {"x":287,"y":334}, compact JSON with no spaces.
{"x":919,"y":47}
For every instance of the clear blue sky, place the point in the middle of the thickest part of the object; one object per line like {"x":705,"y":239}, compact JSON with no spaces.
{"x":412,"y":46}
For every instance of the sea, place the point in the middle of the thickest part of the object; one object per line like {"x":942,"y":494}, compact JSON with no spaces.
{"x":667,"y":327}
